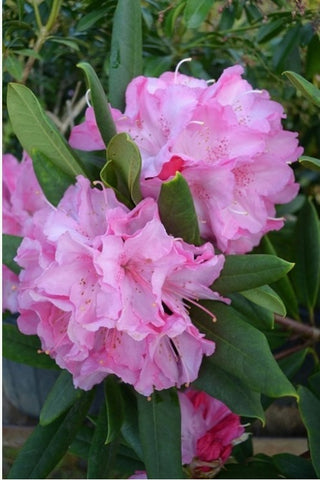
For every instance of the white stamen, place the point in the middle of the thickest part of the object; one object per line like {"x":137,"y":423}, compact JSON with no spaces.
{"x":239,"y":212}
{"x":252,"y":91}
{"x":87,"y":98}
{"x":211,"y":81}
{"x":278,"y":219}
{"x":189,"y":59}
{"x":196,"y":122}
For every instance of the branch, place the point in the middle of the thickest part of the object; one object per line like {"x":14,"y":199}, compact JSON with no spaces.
{"x":297,"y":327}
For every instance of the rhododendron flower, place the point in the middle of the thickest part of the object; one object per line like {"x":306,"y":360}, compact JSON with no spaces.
{"x":22,"y":197}
{"x":209,"y":430}
{"x":226,"y":139}
{"x":107,"y":291}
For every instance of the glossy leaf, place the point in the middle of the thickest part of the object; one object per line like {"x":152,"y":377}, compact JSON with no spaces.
{"x":99,"y":102}
{"x":306,"y":274}
{"x":309,"y":406}
{"x":311,"y":92}
{"x":126,"y":50}
{"x":98,"y":457}
{"x":115,"y":408}
{"x":310,"y":162}
{"x":196,"y":12}
{"x":36,"y":131}
{"x":229,"y":389}
{"x":61,"y":397}
{"x":293,"y":466}
{"x":283,"y":286}
{"x":80,"y":446}
{"x":53,"y":181}
{"x":122,"y":170}
{"x":177,"y":210}
{"x":287,"y":49}
{"x":243,"y":272}
{"x":242,"y":350}
{"x":10,"y":245}
{"x":259,"y":466}
{"x":160,"y":433}
{"x":257,"y":316}
{"x":47,"y":445}
{"x":265,"y":297}
{"x":291,"y":364}
{"x":130,"y":427}
{"x":24,"y":349}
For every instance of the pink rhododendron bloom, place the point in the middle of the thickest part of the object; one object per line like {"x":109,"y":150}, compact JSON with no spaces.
{"x":22,"y":197}
{"x":226,"y":139}
{"x":209,"y":431}
{"x":107,"y":291}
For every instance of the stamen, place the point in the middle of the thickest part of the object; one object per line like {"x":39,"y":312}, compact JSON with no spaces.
{"x":189,"y":59}
{"x":278,"y":219}
{"x":211,"y":81}
{"x":87,"y":98}
{"x":197,"y":122}
{"x":239,"y":212}
{"x":214,"y":318}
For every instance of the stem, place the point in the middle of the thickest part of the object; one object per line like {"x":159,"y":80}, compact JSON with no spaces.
{"x":53,"y":14}
{"x":37,"y":15}
{"x":291,"y":350}
{"x":303,"y":330}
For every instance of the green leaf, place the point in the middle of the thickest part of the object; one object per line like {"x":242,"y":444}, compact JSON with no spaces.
{"x":100,"y":105}
{"x":306,"y":274}
{"x":24,"y":349}
{"x":36,"y":131}
{"x":115,"y":408}
{"x":314,"y":383}
{"x":10,"y":245}
{"x":229,"y":389}
{"x":283,"y":287}
{"x":243,"y":272}
{"x":311,"y":92}
{"x":196,"y":12}
{"x":160,"y":433}
{"x":67,"y":42}
{"x":310,"y":162}
{"x":98,"y":457}
{"x":312,"y":58}
{"x":257,"y":316}
{"x":270,"y":30}
{"x":47,"y":445}
{"x":87,"y":21}
{"x":80,"y":446}
{"x":14,"y":66}
{"x":242,"y":350}
{"x":126,"y":50}
{"x":309,"y":406}
{"x":291,"y":365}
{"x":61,"y":397}
{"x":286,"y":48}
{"x":259,"y":466}
{"x":292,"y":466}
{"x":122,"y":170}
{"x":177,"y":210}
{"x":130,"y":427}
{"x":53,"y":181}
{"x":265,"y":297}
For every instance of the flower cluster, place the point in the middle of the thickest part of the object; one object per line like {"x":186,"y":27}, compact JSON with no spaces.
{"x":107,"y":289}
{"x":226,"y":139}
{"x":209,"y":430}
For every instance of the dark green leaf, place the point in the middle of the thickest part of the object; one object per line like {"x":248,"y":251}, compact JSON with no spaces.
{"x":243,"y":272}
{"x":285,"y":48}
{"x":130,"y":427}
{"x":115,"y":408}
{"x":98,"y":458}
{"x":310,"y":162}
{"x":259,"y":466}
{"x":269,"y":30}
{"x":196,"y":12}
{"x":160,"y":433}
{"x":312,"y":58}
{"x":81,"y":444}
{"x":292,"y":466}
{"x":36,"y":131}
{"x":14,"y":66}
{"x":311,"y":92}
{"x":306,"y":274}
{"x":24,"y":349}
{"x":265,"y":297}
{"x":122,"y":170}
{"x":47,"y":445}
{"x":291,"y":365}
{"x":61,"y":398}
{"x":309,"y":406}
{"x":314,"y":384}
{"x":229,"y":389}
{"x":126,"y":50}
{"x":177,"y":210}
{"x":53,"y":181}
{"x":68,"y":42}
{"x":257,"y":316}
{"x":10,"y":245}
{"x":242,"y":350}
{"x":100,"y":105}
{"x":87,"y":21}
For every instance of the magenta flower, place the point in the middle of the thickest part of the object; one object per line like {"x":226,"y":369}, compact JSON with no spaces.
{"x":209,"y":431}
{"x":226,"y":139}
{"x":107,"y":291}
{"x":22,"y":197}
